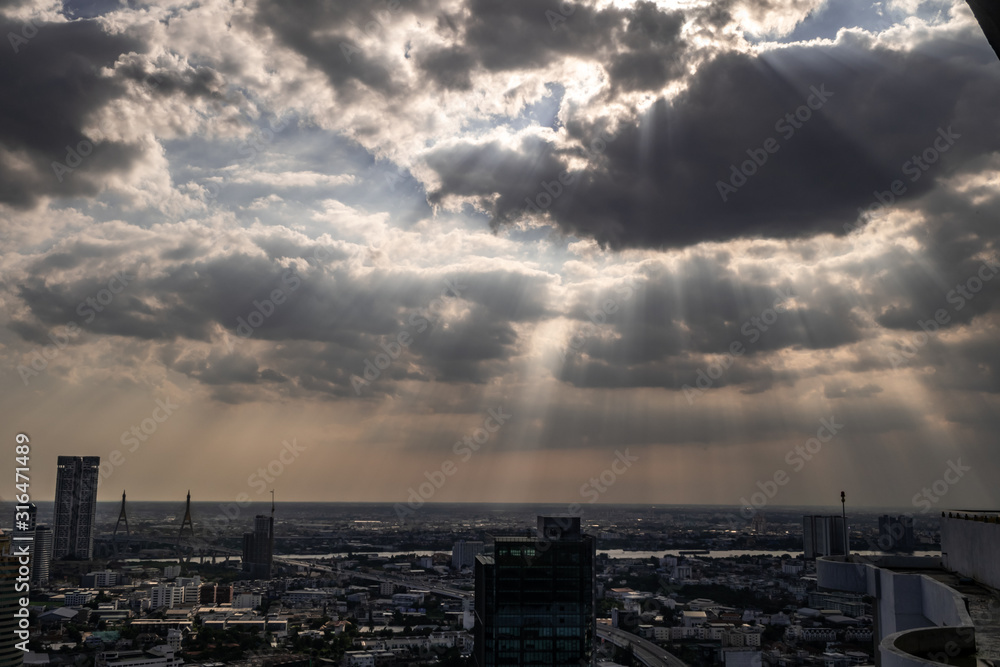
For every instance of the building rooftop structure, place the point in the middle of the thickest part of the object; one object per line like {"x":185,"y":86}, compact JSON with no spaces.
{"x":929,"y":610}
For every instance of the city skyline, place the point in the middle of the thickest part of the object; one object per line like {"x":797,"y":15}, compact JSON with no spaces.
{"x":738,"y":252}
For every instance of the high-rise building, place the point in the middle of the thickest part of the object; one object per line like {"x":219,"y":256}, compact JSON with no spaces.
{"x":41,"y":555}
{"x":895,"y":533}
{"x":258,"y":546}
{"x":76,"y":502}
{"x":10,"y":654}
{"x":41,"y":543}
{"x":535,"y":598}
{"x":823,"y":536}
{"x":463,"y":554}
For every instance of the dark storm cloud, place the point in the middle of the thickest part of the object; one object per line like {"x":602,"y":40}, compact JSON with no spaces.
{"x":50,"y":86}
{"x":702,"y":308}
{"x":337,"y":37}
{"x":194,"y":82}
{"x":506,"y":35}
{"x":467,"y":169}
{"x":640,"y":45}
{"x":653,"y":49}
{"x":449,"y":67}
{"x":461,"y":324}
{"x":656,"y":182}
{"x":222,"y":369}
{"x":957,"y":271}
{"x":968,"y":364}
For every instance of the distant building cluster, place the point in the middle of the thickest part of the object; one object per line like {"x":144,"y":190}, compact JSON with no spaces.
{"x":502,"y":597}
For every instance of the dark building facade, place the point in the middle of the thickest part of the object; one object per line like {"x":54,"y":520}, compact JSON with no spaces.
{"x":76,"y":502}
{"x":258,"y":547}
{"x":535,"y":598}
{"x":224,"y":594}
{"x":895,"y":533}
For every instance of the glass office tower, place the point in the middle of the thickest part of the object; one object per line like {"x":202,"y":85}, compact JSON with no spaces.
{"x":535,"y":598}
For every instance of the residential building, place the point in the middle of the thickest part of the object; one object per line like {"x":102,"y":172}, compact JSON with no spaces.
{"x":849,"y":604}
{"x":167,"y":595}
{"x":104,"y":579}
{"x":823,"y":536}
{"x":246,"y":601}
{"x":41,"y":555}
{"x":223,"y":594}
{"x":75,"y":506}
{"x":160,"y":656}
{"x":463,"y":554}
{"x":77,"y":598}
{"x":206,"y":594}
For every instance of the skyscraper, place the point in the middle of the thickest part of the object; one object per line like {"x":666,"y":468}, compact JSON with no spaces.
{"x":41,"y":545}
{"x":535,"y":598}
{"x":41,"y":555}
{"x":76,"y":501}
{"x":258,"y":546}
{"x":823,"y":535}
{"x":10,"y":655}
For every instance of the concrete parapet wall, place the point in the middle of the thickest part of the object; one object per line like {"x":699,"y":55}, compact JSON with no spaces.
{"x":971,"y":548}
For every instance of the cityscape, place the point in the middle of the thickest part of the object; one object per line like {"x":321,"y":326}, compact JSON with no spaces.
{"x":157,"y":584}
{"x":500,"y":333}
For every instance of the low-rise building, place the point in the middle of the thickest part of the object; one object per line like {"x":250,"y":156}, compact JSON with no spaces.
{"x":160,"y":656}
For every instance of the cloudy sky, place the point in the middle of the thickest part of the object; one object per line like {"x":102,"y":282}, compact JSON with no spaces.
{"x":327,"y":239}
